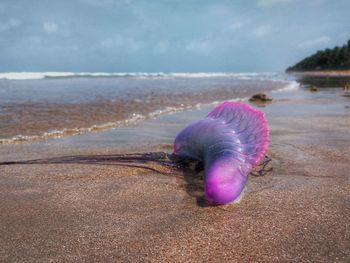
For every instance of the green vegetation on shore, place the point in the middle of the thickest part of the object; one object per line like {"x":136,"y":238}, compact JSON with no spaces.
{"x":337,"y":58}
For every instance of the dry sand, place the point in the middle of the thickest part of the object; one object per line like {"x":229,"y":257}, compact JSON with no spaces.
{"x":95,"y":210}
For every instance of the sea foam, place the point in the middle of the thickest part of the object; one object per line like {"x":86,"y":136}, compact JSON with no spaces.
{"x":290,"y":85}
{"x":43,"y":75}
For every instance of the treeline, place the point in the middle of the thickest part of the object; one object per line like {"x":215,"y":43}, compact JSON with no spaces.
{"x":337,"y":58}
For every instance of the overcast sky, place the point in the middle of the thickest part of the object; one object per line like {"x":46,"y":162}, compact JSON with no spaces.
{"x":167,"y":35}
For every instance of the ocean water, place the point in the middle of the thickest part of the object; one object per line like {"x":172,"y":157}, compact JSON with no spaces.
{"x":54,"y":104}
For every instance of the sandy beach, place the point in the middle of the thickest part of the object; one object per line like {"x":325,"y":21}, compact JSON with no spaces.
{"x":84,"y":201}
{"x":174,"y":131}
{"x":323,"y":73}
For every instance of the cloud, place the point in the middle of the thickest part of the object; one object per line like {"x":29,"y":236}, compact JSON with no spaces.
{"x":262,"y":31}
{"x":103,"y":3}
{"x":9,"y":24}
{"x":35,"y":40}
{"x":121,"y":42}
{"x":161,"y":46}
{"x":50,"y":27}
{"x":268,"y":3}
{"x":236,"y":25}
{"x":202,"y":47}
{"x":315,"y":42}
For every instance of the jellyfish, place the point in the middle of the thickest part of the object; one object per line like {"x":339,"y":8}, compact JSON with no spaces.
{"x":230,"y":142}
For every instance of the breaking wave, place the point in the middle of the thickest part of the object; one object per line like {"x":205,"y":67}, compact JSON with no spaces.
{"x":291,"y":85}
{"x":43,"y":75}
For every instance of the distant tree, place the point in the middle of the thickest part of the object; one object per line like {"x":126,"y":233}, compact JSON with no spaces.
{"x":329,"y":59}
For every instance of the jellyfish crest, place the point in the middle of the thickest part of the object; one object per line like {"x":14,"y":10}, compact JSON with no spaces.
{"x":246,"y":128}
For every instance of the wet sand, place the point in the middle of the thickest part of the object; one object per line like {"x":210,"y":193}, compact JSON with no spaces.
{"x":94,"y":208}
{"x":46,"y":108}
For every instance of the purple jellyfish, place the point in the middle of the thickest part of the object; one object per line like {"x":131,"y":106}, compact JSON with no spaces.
{"x":230,"y":141}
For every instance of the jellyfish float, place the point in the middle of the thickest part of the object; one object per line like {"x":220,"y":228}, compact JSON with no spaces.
{"x":230,"y":142}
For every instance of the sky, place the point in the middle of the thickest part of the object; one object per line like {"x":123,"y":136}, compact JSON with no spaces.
{"x":167,"y":35}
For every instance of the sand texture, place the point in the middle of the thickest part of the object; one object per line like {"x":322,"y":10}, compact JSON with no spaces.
{"x":104,"y":209}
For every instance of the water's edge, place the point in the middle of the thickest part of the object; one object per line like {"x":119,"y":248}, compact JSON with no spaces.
{"x":134,"y":119}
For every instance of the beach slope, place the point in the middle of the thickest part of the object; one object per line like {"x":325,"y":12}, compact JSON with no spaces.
{"x":93,"y":209}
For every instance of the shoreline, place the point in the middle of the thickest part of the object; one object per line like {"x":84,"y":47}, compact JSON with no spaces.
{"x":109,"y":103}
{"x":322,"y":73}
{"x":132,"y":120}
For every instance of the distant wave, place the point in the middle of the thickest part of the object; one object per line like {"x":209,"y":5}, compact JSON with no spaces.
{"x":43,"y":75}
